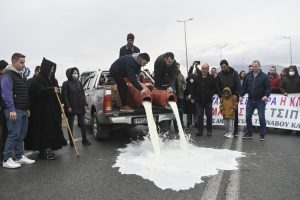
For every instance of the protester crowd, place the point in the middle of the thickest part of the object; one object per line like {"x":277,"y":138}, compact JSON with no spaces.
{"x":31,"y":111}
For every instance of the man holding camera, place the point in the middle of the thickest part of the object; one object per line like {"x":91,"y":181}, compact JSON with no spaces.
{"x":190,"y":108}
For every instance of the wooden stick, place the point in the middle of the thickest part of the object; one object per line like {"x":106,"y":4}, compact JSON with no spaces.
{"x":65,"y":117}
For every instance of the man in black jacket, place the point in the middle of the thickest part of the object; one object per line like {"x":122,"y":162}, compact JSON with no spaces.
{"x":258,"y":87}
{"x":165,"y":72}
{"x":15,"y":99}
{"x":75,"y":102}
{"x":129,"y":48}
{"x":202,"y":93}
{"x":228,"y":77}
{"x":128,"y":67}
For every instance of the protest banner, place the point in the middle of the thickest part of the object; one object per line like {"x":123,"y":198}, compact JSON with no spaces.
{"x":281,"y":112}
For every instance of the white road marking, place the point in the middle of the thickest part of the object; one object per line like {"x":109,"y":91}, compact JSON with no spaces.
{"x":212,"y":188}
{"x":233,"y":187}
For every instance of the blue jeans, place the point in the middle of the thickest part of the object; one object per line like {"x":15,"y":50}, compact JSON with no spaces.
{"x":207,"y":108}
{"x":16,"y":132}
{"x":260,"y":105}
{"x":81,"y":118}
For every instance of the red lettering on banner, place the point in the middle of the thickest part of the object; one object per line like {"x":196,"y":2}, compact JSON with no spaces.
{"x":292,"y":101}
{"x":241,"y":111}
{"x":298,"y":102}
{"x":283,"y":101}
{"x":214,"y":111}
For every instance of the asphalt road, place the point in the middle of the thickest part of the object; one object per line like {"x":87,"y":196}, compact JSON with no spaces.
{"x":270,"y":170}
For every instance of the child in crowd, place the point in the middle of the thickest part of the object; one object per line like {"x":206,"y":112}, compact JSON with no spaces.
{"x":228,"y":106}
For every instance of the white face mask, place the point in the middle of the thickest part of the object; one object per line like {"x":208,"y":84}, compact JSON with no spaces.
{"x":191,"y":80}
{"x":75,"y":76}
{"x":292,"y":73}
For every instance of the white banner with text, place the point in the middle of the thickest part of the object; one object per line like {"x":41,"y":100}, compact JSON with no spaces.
{"x":281,"y":112}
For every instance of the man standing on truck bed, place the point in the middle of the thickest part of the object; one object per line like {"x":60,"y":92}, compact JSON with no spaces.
{"x":128,"y":66}
{"x":129,"y":48}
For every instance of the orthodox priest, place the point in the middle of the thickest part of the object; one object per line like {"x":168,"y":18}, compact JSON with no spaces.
{"x":45,"y":131}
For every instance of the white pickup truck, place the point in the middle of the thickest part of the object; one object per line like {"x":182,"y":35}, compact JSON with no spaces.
{"x":103,"y":113}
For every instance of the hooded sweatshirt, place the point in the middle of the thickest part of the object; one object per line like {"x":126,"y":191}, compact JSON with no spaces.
{"x":291,"y":84}
{"x":14,"y":90}
{"x":128,"y":66}
{"x":228,"y":104}
{"x":73,"y":93}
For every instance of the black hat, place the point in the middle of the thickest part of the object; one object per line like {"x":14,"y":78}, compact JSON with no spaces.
{"x":47,"y":63}
{"x":46,"y":66}
{"x":3,"y":64}
{"x":130,"y":36}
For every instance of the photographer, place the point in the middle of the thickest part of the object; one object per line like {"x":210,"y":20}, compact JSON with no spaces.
{"x":190,"y":108}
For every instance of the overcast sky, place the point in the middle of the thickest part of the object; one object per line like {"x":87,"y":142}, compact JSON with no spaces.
{"x":89,"y":33}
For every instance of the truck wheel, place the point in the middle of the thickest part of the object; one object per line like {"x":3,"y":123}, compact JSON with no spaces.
{"x":100,"y":131}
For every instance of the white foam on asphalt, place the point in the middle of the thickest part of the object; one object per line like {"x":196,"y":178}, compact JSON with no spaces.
{"x":174,"y":169}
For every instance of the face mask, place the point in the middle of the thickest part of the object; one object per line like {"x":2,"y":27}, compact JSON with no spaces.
{"x":75,"y":76}
{"x":292,"y":73}
{"x":191,"y":80}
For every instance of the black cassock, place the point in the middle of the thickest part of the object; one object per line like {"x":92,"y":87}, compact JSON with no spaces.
{"x":45,"y":130}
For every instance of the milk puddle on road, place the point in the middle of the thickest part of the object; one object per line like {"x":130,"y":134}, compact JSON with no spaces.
{"x":174,"y":167}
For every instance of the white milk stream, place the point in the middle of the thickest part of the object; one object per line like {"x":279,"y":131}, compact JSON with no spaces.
{"x":183,"y":142}
{"x":152,"y":127}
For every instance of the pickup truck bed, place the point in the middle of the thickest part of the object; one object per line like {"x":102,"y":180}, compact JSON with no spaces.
{"x":104,"y":116}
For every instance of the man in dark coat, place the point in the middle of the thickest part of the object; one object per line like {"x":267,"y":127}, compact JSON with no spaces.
{"x":46,"y":112}
{"x":165,"y":72}
{"x":129,"y":48}
{"x":258,"y":87}
{"x":190,"y":108}
{"x":15,"y":99}
{"x":202,"y":93}
{"x":275,"y":80}
{"x":128,"y":67}
{"x":36,"y":73}
{"x":75,"y":102}
{"x":228,"y":77}
{"x":34,"y":119}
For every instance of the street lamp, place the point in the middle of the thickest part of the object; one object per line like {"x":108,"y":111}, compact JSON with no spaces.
{"x":291,"y":57}
{"x":186,"y":58}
